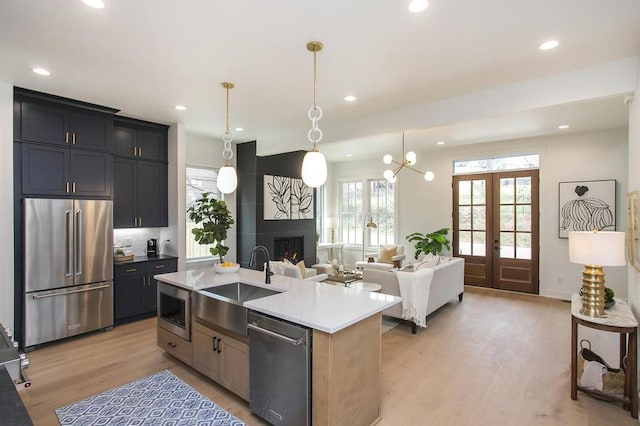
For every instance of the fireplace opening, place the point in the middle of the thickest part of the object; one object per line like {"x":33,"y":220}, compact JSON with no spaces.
{"x":291,"y":249}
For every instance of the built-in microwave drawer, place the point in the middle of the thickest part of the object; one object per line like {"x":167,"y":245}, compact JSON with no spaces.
{"x":175,"y":346}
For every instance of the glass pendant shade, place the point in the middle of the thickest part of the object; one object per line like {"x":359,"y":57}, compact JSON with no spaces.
{"x":411,"y":158}
{"x":314,"y":169}
{"x":387,"y":159}
{"x":388,"y":174}
{"x":227,"y":179}
{"x":429,"y":176}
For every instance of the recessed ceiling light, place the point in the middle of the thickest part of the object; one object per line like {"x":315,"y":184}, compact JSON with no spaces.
{"x":563,"y":126}
{"x":180,"y":107}
{"x":440,"y":142}
{"x":96,"y":4}
{"x":40,"y":71}
{"x":417,"y":6}
{"x":349,"y":155}
{"x":238,"y":129}
{"x":548,"y":45}
{"x":350,"y":98}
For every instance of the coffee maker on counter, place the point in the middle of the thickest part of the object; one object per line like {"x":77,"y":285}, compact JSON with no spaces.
{"x":152,"y":247}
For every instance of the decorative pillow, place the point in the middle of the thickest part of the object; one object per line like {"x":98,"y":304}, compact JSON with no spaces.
{"x":386,"y":253}
{"x":303,"y":270}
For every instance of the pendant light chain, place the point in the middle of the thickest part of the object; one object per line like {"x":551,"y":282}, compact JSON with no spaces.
{"x":227,"y":152}
{"x":315,"y":112}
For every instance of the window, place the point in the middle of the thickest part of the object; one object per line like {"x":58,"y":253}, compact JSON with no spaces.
{"x":531,"y":161}
{"x":199,"y":180}
{"x":355,"y":204}
{"x":351,"y":212}
{"x":381,"y":207}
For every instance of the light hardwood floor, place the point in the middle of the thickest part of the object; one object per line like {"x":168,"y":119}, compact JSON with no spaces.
{"x":497,"y":358}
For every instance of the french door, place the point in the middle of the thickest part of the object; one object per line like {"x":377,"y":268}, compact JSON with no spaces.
{"x":495,"y":229}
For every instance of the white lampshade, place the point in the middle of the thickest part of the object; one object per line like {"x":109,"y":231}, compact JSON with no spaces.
{"x":429,"y":176}
{"x":227,"y":179}
{"x":387,"y":159}
{"x":597,"y":248}
{"x":332,"y":222}
{"x":314,"y":169}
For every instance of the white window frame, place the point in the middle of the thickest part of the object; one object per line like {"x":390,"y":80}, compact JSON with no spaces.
{"x":190,"y":242}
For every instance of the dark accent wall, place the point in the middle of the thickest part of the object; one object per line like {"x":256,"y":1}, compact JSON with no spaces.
{"x":252,"y":229}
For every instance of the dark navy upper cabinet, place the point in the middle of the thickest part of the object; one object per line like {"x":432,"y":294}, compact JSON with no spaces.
{"x":140,"y":174}
{"x":140,"y":139}
{"x":49,"y":170}
{"x":55,"y":120}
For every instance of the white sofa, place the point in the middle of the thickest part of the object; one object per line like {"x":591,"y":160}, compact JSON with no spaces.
{"x":373,"y":261}
{"x":447,"y":285}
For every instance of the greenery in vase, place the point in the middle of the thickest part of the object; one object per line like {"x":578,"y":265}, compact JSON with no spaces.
{"x":433,"y":242}
{"x":215,"y":219}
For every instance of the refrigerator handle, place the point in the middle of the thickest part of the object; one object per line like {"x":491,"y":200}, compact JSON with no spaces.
{"x":79,"y":248}
{"x":68,"y":243}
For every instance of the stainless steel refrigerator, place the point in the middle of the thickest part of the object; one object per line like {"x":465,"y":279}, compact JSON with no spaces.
{"x":68,"y":268}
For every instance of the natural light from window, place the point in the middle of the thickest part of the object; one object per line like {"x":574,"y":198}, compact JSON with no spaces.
{"x":199,"y":180}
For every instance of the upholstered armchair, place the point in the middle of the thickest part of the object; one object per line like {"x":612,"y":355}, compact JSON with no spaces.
{"x":387,"y":258}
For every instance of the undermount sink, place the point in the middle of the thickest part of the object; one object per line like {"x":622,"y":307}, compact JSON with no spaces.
{"x":221,"y":306}
{"x":240,"y":292}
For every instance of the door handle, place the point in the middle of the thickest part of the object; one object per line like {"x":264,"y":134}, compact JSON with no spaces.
{"x":66,"y":137}
{"x":66,"y":187}
{"x":68,"y":243}
{"x":73,"y":139}
{"x":213,"y":344}
{"x":294,"y":342}
{"x":496,"y":244}
{"x":64,"y":293}
{"x":79,"y":248}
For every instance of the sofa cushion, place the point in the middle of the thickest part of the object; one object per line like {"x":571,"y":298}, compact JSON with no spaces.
{"x":386,"y":253}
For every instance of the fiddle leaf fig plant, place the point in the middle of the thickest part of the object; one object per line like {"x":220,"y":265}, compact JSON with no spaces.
{"x":215,"y":219}
{"x":433,"y":242}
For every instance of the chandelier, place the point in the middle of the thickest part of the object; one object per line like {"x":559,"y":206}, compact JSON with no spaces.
{"x":409,"y":159}
{"x":314,"y":165}
{"x":227,"y":177}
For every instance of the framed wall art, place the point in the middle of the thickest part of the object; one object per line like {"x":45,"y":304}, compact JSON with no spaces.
{"x":587,"y":205}
{"x":287,"y":198}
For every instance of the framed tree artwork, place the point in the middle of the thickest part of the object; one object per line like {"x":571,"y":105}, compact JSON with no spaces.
{"x":587,"y":206}
{"x":277,"y":197}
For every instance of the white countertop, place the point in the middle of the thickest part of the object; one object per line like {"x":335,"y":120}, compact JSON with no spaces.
{"x":320,"y":306}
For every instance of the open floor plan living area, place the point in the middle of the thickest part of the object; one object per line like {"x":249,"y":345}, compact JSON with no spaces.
{"x":418,"y":212}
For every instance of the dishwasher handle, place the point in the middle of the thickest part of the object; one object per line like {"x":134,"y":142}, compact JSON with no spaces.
{"x":295,"y":342}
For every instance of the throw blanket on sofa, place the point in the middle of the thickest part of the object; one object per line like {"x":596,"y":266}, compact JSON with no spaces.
{"x":414,"y":290}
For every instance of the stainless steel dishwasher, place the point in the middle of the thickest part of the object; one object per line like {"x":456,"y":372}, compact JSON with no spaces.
{"x":279,"y":370}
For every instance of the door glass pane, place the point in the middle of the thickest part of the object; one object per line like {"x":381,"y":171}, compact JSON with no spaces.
{"x":464,"y":246}
{"x":479,"y":244}
{"x":464,"y":217}
{"x":479,"y":192}
{"x":479,"y":218}
{"x":523,"y":189}
{"x":523,"y":250}
{"x":506,"y":245}
{"x":506,"y":218}
{"x":506,"y":191}
{"x":523,"y":218}
{"x":464,"y":192}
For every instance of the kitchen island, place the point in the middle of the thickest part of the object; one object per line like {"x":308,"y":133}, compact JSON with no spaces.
{"x":346,"y":341}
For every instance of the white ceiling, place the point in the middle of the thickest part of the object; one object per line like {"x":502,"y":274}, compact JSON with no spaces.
{"x":145,"y":56}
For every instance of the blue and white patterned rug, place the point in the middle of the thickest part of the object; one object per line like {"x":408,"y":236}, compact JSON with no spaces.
{"x":159,"y":399}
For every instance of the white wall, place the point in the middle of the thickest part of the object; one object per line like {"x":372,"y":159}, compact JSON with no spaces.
{"x":207,"y":152}
{"x":424,"y":206}
{"x":6,"y":195}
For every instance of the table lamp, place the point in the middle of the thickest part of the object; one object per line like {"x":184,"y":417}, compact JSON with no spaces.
{"x":594,"y":250}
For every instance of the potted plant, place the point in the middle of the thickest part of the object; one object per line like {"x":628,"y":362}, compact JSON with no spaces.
{"x":433,"y":242}
{"x":215,"y":218}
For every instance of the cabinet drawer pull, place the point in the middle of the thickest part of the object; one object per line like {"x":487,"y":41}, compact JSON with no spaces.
{"x":66,"y":139}
{"x":131,"y":270}
{"x":73,"y":138}
{"x":67,"y":187}
{"x":135,"y":151}
{"x":139,"y":220}
{"x":139,"y":152}
{"x":73,"y":186}
{"x":160,"y":266}
{"x":173,"y":345}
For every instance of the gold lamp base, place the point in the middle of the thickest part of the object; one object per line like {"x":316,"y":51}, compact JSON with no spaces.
{"x":593,"y":291}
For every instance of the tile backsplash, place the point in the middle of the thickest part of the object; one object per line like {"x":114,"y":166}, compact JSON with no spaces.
{"x":134,"y":240}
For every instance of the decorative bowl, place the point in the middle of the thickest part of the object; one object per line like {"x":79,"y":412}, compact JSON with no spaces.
{"x":123,"y":258}
{"x":226,"y":269}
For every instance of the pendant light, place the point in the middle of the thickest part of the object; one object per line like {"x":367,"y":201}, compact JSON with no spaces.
{"x":314,"y":165}
{"x":408,"y":160}
{"x":227,"y":177}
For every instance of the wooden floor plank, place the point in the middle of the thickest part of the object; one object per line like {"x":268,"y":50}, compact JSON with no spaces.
{"x":497,"y":358}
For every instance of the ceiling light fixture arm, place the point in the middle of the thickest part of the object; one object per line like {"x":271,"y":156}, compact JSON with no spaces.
{"x":227,"y":152}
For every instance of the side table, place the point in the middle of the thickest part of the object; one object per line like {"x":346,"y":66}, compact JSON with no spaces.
{"x":620,"y":320}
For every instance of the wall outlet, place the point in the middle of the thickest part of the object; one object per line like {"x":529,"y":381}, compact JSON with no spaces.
{"x":128,"y":243}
